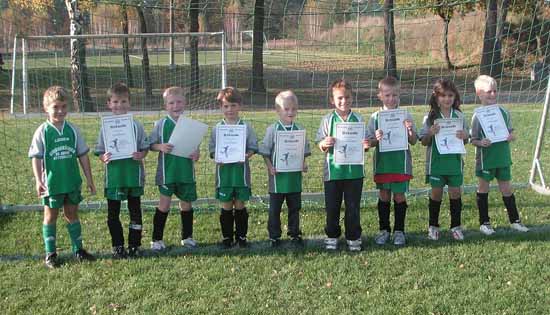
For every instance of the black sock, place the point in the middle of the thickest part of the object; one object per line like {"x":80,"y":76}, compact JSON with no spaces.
{"x":384,"y":215}
{"x":510,"y":203}
{"x":186,"y":224}
{"x":400,"y":214}
{"x":113,"y":222}
{"x":434,"y":208}
{"x":482,"y":200}
{"x":226,"y":223}
{"x":159,"y":221}
{"x":135,"y":227}
{"x":241,"y":223}
{"x":456,"y":209}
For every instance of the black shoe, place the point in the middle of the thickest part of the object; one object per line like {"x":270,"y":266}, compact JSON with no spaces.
{"x":81,"y":255}
{"x":51,"y":261}
{"x":119,"y":252}
{"x":134,"y":252}
{"x":297,"y":241}
{"x":243,"y":243}
{"x":227,"y":243}
{"x":275,"y":242}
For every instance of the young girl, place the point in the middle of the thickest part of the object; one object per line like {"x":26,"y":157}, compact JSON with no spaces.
{"x":443,"y":169}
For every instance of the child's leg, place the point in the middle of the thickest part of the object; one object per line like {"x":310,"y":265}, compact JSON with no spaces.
{"x":455,"y":206}
{"x":136,"y":222}
{"x":352,"y":199}
{"x":159,"y":219}
{"x":384,"y":205}
{"x":113,"y":223}
{"x":70,"y":212}
{"x":241,"y":220}
{"x":49,"y":229}
{"x":482,"y":200}
{"x":226,"y":221}
{"x":333,"y":202}
{"x":509,"y":200}
{"x":435,"y":205}
{"x":186,"y":213}
{"x":294,"y":204}
{"x":274,"y":215}
{"x":400,"y":208}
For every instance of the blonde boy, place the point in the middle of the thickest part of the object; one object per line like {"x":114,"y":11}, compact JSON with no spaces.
{"x":493,"y":160}
{"x":55,"y":148}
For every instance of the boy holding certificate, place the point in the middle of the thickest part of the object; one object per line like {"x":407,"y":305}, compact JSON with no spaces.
{"x":55,"y":148}
{"x":124,"y":175}
{"x":493,"y":157}
{"x":284,"y":149}
{"x":175,"y":174}
{"x":392,"y":166}
{"x":344,"y":166}
{"x":232,"y":143}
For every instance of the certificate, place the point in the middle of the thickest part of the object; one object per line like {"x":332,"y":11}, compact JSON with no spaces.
{"x":187,"y":136}
{"x":446,"y":139}
{"x":391,"y":122}
{"x":492,"y":123}
{"x":289,"y":150}
{"x":230,"y":143}
{"x":348,"y":148}
{"x":119,"y":136}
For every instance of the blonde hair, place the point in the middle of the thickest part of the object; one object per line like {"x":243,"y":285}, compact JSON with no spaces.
{"x":54,"y":93}
{"x":484,"y":81}
{"x":229,"y":94}
{"x":285,"y":98}
{"x":173,"y":90}
{"x":388,"y":81}
{"x":119,"y":88}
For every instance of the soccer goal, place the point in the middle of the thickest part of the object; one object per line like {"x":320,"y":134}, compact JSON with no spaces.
{"x":540,"y":160}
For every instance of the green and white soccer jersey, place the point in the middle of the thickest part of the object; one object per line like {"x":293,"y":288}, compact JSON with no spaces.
{"x":332,"y":171}
{"x":394,"y":162}
{"x":287,"y":182}
{"x":59,"y":149}
{"x":171,"y":169}
{"x":124,"y":173}
{"x":442,"y":164}
{"x":234,"y":174}
{"x":498,"y":154}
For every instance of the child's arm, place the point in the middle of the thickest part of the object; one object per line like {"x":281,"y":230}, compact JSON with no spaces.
{"x":411,"y":130}
{"x":270,"y":168}
{"x":324,"y":141}
{"x":37,"y":171}
{"x":85,"y":164}
{"x":251,"y":141}
{"x":427,"y":132}
{"x":142,"y":143}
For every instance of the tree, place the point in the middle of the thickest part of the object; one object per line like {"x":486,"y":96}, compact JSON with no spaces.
{"x":123,"y":12}
{"x":194,"y":47}
{"x":257,"y":78}
{"x":147,"y":83}
{"x":390,"y":61}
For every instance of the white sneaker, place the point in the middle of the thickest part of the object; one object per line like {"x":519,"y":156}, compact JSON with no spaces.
{"x":354,"y":245}
{"x":158,"y":246}
{"x":457,"y":233}
{"x":382,"y":237}
{"x":331,"y":243}
{"x":518,"y":226}
{"x":433,"y":233}
{"x":486,"y":229}
{"x":189,"y":242}
{"x":398,"y":238}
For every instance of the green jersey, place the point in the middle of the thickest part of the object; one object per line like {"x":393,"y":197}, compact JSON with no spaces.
{"x":331,"y":170}
{"x":498,"y":154}
{"x":285,"y":182}
{"x":171,"y":169}
{"x":58,"y":149}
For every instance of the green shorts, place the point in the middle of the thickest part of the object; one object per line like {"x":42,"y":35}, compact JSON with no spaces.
{"x":225,"y":194}
{"x":501,"y":174}
{"x":396,"y":187}
{"x":184,"y":191}
{"x":58,"y":201}
{"x":442,"y":180}
{"x":123,"y":193}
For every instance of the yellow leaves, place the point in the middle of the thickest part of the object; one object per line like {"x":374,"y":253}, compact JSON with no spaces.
{"x":41,"y":6}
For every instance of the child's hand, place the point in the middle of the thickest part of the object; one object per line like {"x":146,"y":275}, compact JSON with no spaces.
{"x":138,"y":156}
{"x":328,"y":142}
{"x":484,"y":143}
{"x":511,"y":137}
{"x":305,"y":168}
{"x":165,"y":147}
{"x":248,"y":155}
{"x":366,"y":144}
{"x":409,"y":125}
{"x":460,"y":134}
{"x":434,"y":129}
{"x":195,"y":156}
{"x":105,"y":158}
{"x":272,"y":170}
{"x":379,"y":133}
{"x":40,"y":188}
{"x":91,"y":187}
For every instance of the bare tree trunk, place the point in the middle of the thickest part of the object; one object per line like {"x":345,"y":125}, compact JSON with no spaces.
{"x":390,"y":61}
{"x":491,"y":63}
{"x":123,"y":9}
{"x":257,"y":79}
{"x":148,"y":85}
{"x":450,"y":66}
{"x":194,"y":47}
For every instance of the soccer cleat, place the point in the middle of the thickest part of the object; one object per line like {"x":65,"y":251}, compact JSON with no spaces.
{"x":486,"y":229}
{"x":242,"y":242}
{"x":382,"y":237}
{"x":354,"y":245}
{"x":331,"y":243}
{"x":189,"y":242}
{"x":433,"y":233}
{"x":158,"y":246}
{"x":518,"y":226}
{"x":457,"y":233}
{"x":399,"y":238}
{"x":119,"y":252}
{"x":134,"y":252}
{"x":275,"y":242}
{"x":82,"y":255}
{"x":227,"y":243}
{"x":297,"y":241}
{"x":51,"y":261}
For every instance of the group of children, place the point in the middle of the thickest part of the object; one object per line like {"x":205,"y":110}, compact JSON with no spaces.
{"x":57,"y":147}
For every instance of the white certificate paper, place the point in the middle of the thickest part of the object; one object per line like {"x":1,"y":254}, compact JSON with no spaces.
{"x":348,"y":148}
{"x":492,"y":122}
{"x":289,"y":150}
{"x":119,"y":136}
{"x":230,"y":143}
{"x":446,"y":140}
{"x":184,"y":144}
{"x":391,"y":122}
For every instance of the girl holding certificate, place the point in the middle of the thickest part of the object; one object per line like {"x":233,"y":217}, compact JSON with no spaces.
{"x":444,"y":169}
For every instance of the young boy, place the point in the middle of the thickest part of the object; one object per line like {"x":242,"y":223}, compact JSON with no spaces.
{"x":392,"y":170}
{"x":283,"y":185}
{"x":493,"y":160}
{"x":175,"y":174}
{"x":341,"y":181}
{"x":124,"y":178}
{"x":56,"y":146}
{"x":233,"y":179}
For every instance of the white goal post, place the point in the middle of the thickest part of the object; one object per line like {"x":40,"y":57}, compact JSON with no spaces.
{"x":536,"y":177}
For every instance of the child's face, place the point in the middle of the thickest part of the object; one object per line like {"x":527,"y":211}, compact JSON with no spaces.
{"x":56,"y":111}
{"x":446,"y":100}
{"x":487,"y":94}
{"x":119,"y":104}
{"x":341,"y":99}
{"x":230,"y":110}
{"x":287,"y":113}
{"x":389,"y":95}
{"x":175,"y":105}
